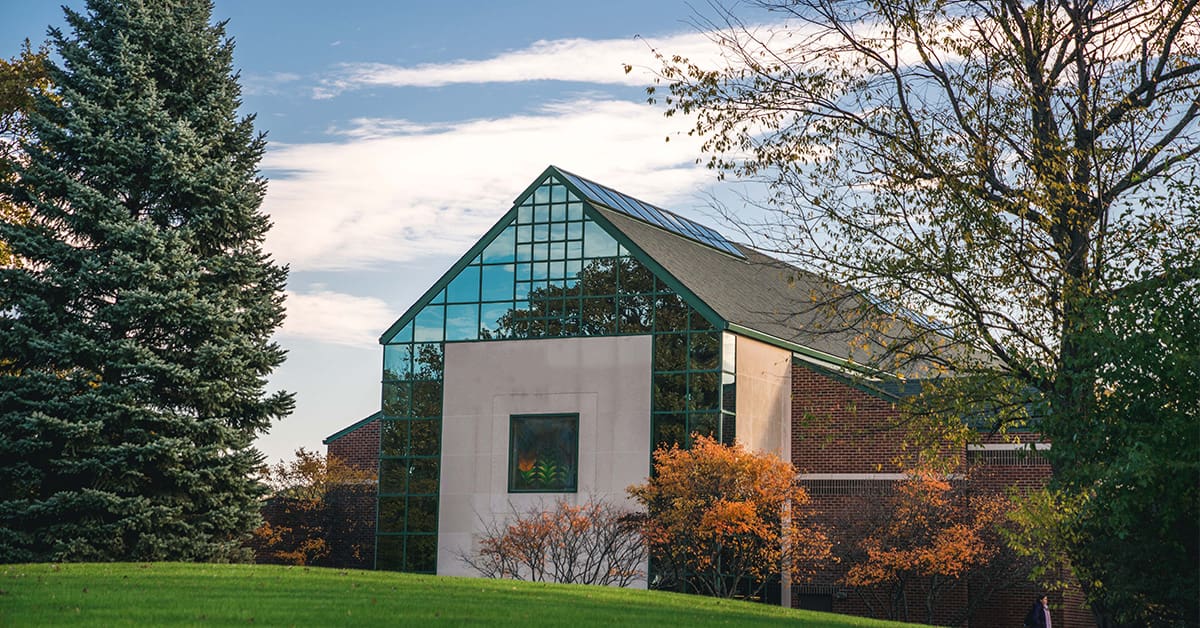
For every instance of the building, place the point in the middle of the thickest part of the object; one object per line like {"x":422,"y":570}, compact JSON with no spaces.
{"x":583,"y":330}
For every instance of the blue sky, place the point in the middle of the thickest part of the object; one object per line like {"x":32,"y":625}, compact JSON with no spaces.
{"x":400,"y":131}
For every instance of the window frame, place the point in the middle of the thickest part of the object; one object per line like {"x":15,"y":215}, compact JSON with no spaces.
{"x":513,"y":421}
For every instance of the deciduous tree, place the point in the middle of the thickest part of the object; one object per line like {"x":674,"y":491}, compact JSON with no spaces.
{"x":1006,"y":166}
{"x":303,"y":511}
{"x":727,"y":521}
{"x":926,"y":537}
{"x":21,"y":78}
{"x":137,"y":328}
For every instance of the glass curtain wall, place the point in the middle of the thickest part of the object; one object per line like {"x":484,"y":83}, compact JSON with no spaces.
{"x":551,"y":272}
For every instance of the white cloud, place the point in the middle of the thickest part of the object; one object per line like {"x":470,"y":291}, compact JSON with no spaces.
{"x":336,"y":318}
{"x":396,"y":191}
{"x":576,"y":60}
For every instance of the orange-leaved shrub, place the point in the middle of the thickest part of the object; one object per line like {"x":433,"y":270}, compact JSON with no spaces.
{"x":925,"y":538}
{"x":724,"y":521}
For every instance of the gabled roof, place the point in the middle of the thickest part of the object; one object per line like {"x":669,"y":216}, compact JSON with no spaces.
{"x":751,"y":293}
{"x":734,"y":286}
{"x":351,"y":428}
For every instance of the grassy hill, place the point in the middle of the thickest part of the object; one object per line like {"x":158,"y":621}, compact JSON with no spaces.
{"x":161,"y":594}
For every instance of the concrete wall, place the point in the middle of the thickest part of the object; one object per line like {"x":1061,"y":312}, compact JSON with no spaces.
{"x":605,"y":380}
{"x":764,"y":384}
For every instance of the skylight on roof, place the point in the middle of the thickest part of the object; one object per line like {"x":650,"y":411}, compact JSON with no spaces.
{"x":651,"y":214}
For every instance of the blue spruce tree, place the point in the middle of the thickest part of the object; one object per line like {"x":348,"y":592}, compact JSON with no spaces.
{"x":136,"y":323}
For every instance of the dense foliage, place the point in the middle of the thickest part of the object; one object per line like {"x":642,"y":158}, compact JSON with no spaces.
{"x":724,"y":521}
{"x":1012,"y":168}
{"x":922,"y":542}
{"x":309,"y":514}
{"x":137,"y":327}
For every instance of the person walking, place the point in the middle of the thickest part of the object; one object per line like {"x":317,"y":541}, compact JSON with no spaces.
{"x":1039,"y":614}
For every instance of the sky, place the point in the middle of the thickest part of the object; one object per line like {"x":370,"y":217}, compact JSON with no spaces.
{"x":400,"y":131}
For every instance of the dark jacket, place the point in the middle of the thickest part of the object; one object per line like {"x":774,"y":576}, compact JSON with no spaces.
{"x":1035,"y":618}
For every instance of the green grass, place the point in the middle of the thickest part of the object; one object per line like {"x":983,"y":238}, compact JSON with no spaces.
{"x":160,"y":594}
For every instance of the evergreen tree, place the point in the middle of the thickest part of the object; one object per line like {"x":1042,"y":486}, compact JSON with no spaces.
{"x":136,"y":333}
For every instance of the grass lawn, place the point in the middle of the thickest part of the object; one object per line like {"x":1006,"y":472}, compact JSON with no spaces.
{"x":158,"y":594}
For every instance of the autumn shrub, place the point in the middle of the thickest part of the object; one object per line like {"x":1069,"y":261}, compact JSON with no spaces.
{"x":925,"y":538}
{"x":592,"y":543}
{"x":723,"y":521}
{"x":305,"y":510}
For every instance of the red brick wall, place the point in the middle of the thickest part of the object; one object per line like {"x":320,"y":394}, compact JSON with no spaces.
{"x":359,"y":448}
{"x":837,"y":428}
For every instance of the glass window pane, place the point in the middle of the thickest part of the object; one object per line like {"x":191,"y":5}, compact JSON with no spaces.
{"x":670,"y":352}
{"x":493,"y":318}
{"x":574,"y":249}
{"x":524,"y":252}
{"x":423,"y":476}
{"x":427,"y":399}
{"x":600,"y":277}
{"x":543,"y":453}
{"x":670,"y":391}
{"x":668,"y":430}
{"x":465,"y":287}
{"x":573,"y":268}
{"x":425,"y":437}
{"x":542,"y":193}
{"x":728,"y":392}
{"x":429,"y":324}
{"x":671,"y":313}
{"x":422,"y":514}
{"x":703,"y":391}
{"x":558,"y":250}
{"x":397,"y":361}
{"x":525,"y":213}
{"x":389,"y":553}
{"x":503,"y":248}
{"x":558,"y":211}
{"x":574,"y":211}
{"x":541,"y":233}
{"x":635,"y":277}
{"x":393,"y":475}
{"x":704,"y":351}
{"x":395,"y":398}
{"x":598,"y":317}
{"x":541,"y":252}
{"x":497,"y":283}
{"x":558,"y":194}
{"x":421,"y":555}
{"x":541,"y":213}
{"x":597,"y":242}
{"x":427,"y":361}
{"x":393,"y":437}
{"x":729,"y":352}
{"x":704,"y":424}
{"x":404,"y":335}
{"x":462,"y":322}
{"x":391,"y":514}
{"x":634,"y":314}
